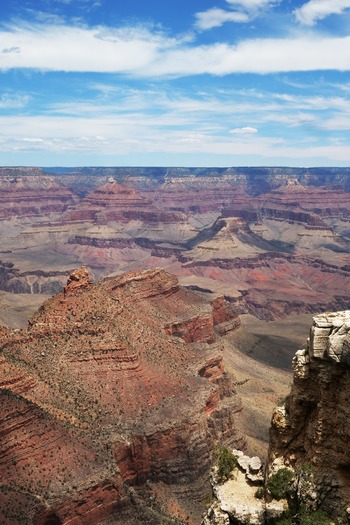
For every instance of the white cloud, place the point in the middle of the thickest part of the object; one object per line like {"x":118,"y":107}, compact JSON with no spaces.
{"x":244,"y":131}
{"x":194,"y":138}
{"x":217,"y":17}
{"x":240,"y":11}
{"x":33,"y":140}
{"x":139,"y":52}
{"x":290,"y":119}
{"x":314,"y":10}
{"x":69,"y":48}
{"x":257,"y":56}
{"x":139,"y":134}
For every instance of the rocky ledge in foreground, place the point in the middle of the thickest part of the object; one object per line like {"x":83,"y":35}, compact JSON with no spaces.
{"x":112,"y":402}
{"x":310,"y":433}
{"x":307,"y":479}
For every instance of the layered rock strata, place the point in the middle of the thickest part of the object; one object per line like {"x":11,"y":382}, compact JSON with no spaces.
{"x":112,"y":386}
{"x":31,"y":194}
{"x":275,"y":241}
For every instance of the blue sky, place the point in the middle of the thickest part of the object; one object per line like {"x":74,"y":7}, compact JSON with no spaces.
{"x":175,"y":83}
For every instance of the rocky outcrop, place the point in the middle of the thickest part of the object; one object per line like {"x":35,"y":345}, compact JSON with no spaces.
{"x":236,"y":498}
{"x":78,"y":279}
{"x":91,"y":395}
{"x":310,"y":432}
{"x":225,"y":317}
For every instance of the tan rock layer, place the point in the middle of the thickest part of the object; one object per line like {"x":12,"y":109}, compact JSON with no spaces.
{"x":312,"y":429}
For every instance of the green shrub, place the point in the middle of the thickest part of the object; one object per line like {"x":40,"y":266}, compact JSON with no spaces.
{"x":280,"y":483}
{"x":318,"y":517}
{"x":226,"y":461}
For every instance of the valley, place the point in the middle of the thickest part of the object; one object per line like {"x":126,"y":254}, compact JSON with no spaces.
{"x":148,"y":314}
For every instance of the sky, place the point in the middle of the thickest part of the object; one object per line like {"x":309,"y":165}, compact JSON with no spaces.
{"x":175,"y":83}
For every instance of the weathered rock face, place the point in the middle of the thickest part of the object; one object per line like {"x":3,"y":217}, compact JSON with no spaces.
{"x":111,"y":386}
{"x":318,"y":286}
{"x":255,"y":180}
{"x":115,"y":202}
{"x":199,"y":194}
{"x":80,"y":278}
{"x":304,"y":204}
{"x":311,"y":430}
{"x":30,"y":193}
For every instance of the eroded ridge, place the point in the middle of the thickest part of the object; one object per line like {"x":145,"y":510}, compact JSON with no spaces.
{"x":113,"y":385}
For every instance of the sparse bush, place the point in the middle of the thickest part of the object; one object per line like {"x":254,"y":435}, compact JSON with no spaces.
{"x":259,"y":493}
{"x":226,"y":461}
{"x":318,"y":517}
{"x":280,"y":483}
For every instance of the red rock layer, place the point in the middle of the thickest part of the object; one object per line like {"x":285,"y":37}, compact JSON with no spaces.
{"x":112,"y":384}
{"x":27,"y":195}
{"x":115,"y":202}
{"x":198,"y":194}
{"x":275,"y":284}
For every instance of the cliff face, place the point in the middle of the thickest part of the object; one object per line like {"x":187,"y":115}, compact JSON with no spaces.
{"x":31,"y":193}
{"x":113,"y":385}
{"x":311,"y":431}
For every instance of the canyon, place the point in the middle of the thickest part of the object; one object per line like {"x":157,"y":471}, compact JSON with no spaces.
{"x":148,"y":314}
{"x":274,"y":241}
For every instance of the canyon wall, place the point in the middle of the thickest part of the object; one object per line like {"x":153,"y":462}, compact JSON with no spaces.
{"x":310,"y":432}
{"x":274,"y":241}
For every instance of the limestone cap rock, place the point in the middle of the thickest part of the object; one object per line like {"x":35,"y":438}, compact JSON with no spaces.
{"x":330,"y":337}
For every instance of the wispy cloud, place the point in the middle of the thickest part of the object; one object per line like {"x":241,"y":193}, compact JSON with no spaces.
{"x":144,"y":134}
{"x":217,"y":17}
{"x":247,"y":130}
{"x":141,"y":52}
{"x":315,"y":10}
{"x":13,"y":100}
{"x":239,"y":11}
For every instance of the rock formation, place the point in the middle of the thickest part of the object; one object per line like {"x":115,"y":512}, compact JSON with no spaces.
{"x":115,"y":394}
{"x":235,"y":497}
{"x":274,"y":241}
{"x":31,"y":193}
{"x":310,"y":432}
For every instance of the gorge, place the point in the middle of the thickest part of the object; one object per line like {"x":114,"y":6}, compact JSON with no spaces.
{"x":149,"y":315}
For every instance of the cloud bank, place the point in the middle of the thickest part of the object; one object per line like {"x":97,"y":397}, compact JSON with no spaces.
{"x":140,"y":53}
